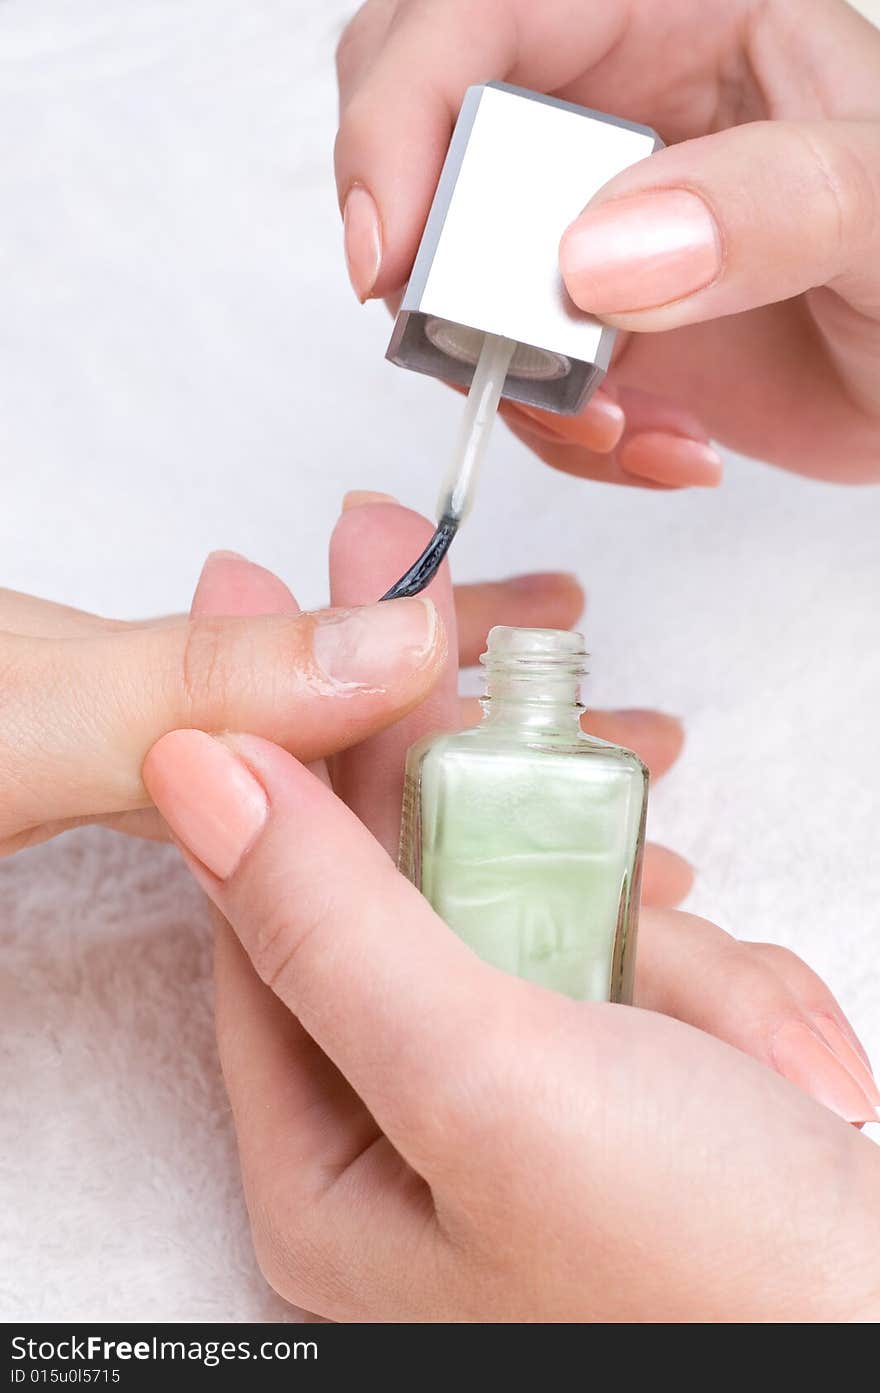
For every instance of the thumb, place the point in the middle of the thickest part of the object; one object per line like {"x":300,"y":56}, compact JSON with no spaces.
{"x":399,"y":1004}
{"x":725,"y":223}
{"x":79,"y":715}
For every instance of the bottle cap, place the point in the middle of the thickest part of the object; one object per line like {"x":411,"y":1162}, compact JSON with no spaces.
{"x":519,"y":169}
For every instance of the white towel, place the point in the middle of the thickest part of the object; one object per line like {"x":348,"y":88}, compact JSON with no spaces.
{"x":182,"y":366}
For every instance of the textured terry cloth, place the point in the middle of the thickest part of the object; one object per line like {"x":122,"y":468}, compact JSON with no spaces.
{"x":183,"y":366}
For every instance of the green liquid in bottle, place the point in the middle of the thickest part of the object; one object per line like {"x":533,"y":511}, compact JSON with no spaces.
{"x":525,"y":834}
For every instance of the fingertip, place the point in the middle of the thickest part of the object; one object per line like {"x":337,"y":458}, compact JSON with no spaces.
{"x":213,"y":804}
{"x":556,"y":593}
{"x":371,"y":546}
{"x":230,"y":585}
{"x":598,"y":427}
{"x":672,"y":460}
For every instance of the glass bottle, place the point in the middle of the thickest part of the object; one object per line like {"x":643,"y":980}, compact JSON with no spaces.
{"x":524,"y":833}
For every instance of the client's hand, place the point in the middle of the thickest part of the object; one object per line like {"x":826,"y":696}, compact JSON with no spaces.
{"x":83,"y":698}
{"x":423,"y":1137}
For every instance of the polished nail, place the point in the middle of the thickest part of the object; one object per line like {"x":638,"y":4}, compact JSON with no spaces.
{"x":640,"y":251}
{"x":848,"y":1055}
{"x":673,"y":460}
{"x":358,"y":498}
{"x":210,"y":800}
{"x":377,"y":645}
{"x":803,"y":1057}
{"x":363,"y":240}
{"x":599,"y":426}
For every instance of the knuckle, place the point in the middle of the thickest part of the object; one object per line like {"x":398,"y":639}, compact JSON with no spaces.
{"x":774,"y":956}
{"x":204,"y":667}
{"x":355,"y":37}
{"x":769,"y":992}
{"x":282,"y":1252}
{"x":849,"y":190}
{"x":469,"y":1107}
{"x":289,"y":922}
{"x":299,"y":1259}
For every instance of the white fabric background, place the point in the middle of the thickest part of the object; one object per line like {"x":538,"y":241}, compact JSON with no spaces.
{"x":183,"y":366}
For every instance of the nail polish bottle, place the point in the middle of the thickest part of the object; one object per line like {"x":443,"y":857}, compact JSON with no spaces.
{"x":524,"y":833}
{"x":520,"y":167}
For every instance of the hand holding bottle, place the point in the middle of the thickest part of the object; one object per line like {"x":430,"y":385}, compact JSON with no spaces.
{"x":425,"y":1137}
{"x":751,"y":242}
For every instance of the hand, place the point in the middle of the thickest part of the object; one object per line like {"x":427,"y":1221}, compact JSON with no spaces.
{"x":423,"y":1137}
{"x":83,"y":698}
{"x":751,"y":242}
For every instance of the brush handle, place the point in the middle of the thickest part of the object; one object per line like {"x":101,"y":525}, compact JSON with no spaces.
{"x":457,"y":493}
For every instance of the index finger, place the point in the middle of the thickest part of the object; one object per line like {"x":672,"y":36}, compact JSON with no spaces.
{"x":403,"y":72}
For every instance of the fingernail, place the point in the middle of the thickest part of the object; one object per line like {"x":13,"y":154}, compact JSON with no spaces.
{"x":804,"y":1059}
{"x":357,"y":498}
{"x":377,"y":645}
{"x":639,"y":252}
{"x":212,"y":803}
{"x":599,"y":426}
{"x":606,"y":419}
{"x":363,"y":240}
{"x":849,"y":1056}
{"x":224,"y":556}
{"x":671,"y":459}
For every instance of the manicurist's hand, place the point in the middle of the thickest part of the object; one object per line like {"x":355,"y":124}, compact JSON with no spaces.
{"x":423,"y":1137}
{"x":83,"y":698}
{"x":741,"y":262}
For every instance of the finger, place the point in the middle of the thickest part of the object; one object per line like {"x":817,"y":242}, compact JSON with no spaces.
{"x":144,"y":823}
{"x":808,"y":986}
{"x":25,"y":614}
{"x":371,"y":546}
{"x":230,"y":584}
{"x":655,"y":737}
{"x":79,"y":716}
{"x":548,"y":600}
{"x":401,"y":88}
{"x":690,"y":969}
{"x":716,"y":226}
{"x":661,"y":446}
{"x":279,"y":1082}
{"x":331,"y":1203}
{"x":667,"y":878}
{"x":350,"y":947}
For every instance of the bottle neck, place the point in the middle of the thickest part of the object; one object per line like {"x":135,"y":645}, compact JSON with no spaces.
{"x":533,"y":686}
